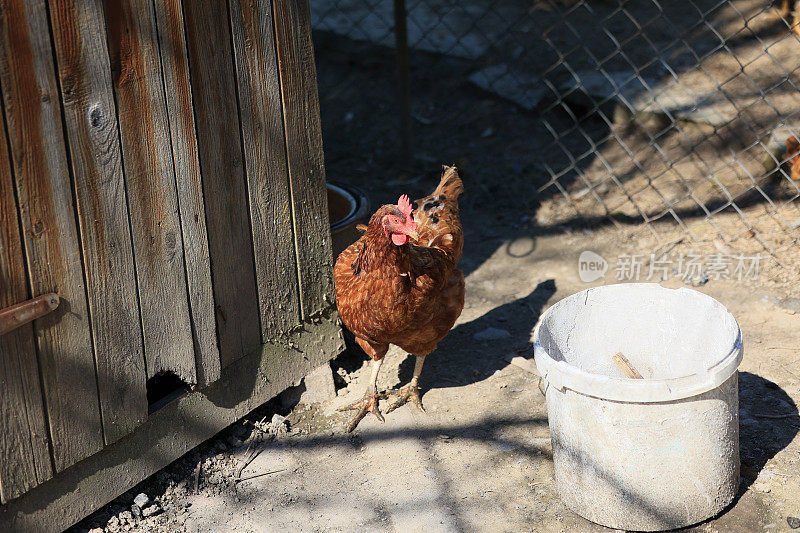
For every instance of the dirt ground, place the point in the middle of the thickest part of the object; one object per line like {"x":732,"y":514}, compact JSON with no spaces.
{"x":479,"y":458}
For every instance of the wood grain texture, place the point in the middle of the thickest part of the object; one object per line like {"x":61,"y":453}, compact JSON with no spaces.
{"x":31,"y":100}
{"x":265,"y":163}
{"x":298,"y":78}
{"x":24,"y":446}
{"x":93,"y":136}
{"x":150,"y":180}
{"x":173,"y":431}
{"x":219,"y":144}
{"x":177,"y":89}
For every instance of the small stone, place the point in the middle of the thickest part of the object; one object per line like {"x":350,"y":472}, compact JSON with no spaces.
{"x":793,"y":522}
{"x":761,"y":487}
{"x":141,"y":500}
{"x":344,"y":375}
{"x":491,"y":334}
{"x":96,"y":530}
{"x":125,"y":516}
{"x":277,"y":425}
{"x":136,"y":511}
{"x":319,"y":385}
{"x":150,"y":511}
{"x":445,"y":437}
{"x":792,"y":305}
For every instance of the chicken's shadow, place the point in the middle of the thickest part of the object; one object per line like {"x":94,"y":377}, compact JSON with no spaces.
{"x":461,"y":360}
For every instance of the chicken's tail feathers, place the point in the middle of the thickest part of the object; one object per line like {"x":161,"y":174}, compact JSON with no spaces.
{"x":437,"y":217}
{"x":447,"y":192}
{"x":450,"y":186}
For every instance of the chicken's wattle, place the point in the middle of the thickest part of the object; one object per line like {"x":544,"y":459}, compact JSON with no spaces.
{"x":399,"y":239}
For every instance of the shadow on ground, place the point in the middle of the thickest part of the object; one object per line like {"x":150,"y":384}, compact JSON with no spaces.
{"x":768,"y":422}
{"x":460,"y":359}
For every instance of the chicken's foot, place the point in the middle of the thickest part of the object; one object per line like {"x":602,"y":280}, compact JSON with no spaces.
{"x":368,"y":404}
{"x":410,"y":391}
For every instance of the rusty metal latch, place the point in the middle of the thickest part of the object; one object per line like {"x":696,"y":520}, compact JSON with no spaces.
{"x":19,"y":314}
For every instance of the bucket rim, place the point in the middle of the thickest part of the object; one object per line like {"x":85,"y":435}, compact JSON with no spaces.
{"x":562,"y":375}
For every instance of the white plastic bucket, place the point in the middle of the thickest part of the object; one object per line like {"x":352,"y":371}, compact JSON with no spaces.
{"x":642,"y":454}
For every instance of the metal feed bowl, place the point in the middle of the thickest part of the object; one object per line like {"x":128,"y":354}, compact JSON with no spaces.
{"x":347,"y":206}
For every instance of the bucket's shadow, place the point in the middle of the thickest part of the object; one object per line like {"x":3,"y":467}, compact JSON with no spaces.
{"x":768,"y":422}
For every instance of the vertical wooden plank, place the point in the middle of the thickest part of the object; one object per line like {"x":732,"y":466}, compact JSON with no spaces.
{"x":150,"y":179}
{"x":91,"y":124}
{"x":298,"y":78}
{"x":175,"y":70}
{"x":265,"y":164}
{"x":64,"y":342}
{"x":24,"y":442}
{"x":214,"y":95}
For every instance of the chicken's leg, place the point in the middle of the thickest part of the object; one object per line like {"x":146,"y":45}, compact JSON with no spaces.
{"x":410,"y":391}
{"x":369,"y":404}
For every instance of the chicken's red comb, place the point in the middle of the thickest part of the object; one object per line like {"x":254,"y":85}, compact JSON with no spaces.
{"x":404,"y":203}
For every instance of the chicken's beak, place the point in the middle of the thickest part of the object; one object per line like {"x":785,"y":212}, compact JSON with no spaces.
{"x":412,"y":234}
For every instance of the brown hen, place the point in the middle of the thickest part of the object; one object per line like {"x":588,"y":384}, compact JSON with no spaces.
{"x":399,"y":284}
{"x":792,"y":156}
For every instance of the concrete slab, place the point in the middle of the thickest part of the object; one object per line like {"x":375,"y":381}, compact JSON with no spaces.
{"x":319,"y":385}
{"x":467,"y":33}
{"x":522,"y":88}
{"x":639,"y":94}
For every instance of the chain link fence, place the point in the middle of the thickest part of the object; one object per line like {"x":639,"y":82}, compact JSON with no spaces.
{"x":667,"y":119}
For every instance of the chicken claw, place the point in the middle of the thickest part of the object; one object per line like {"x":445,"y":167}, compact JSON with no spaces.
{"x":409,"y":392}
{"x":368,"y":404}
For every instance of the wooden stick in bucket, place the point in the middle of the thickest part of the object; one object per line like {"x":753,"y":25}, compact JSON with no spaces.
{"x":626,"y":366}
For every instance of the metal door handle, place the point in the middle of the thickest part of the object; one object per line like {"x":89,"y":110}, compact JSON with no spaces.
{"x":19,"y":314}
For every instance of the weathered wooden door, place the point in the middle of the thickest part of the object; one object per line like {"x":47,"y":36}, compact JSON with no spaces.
{"x":161,"y":170}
